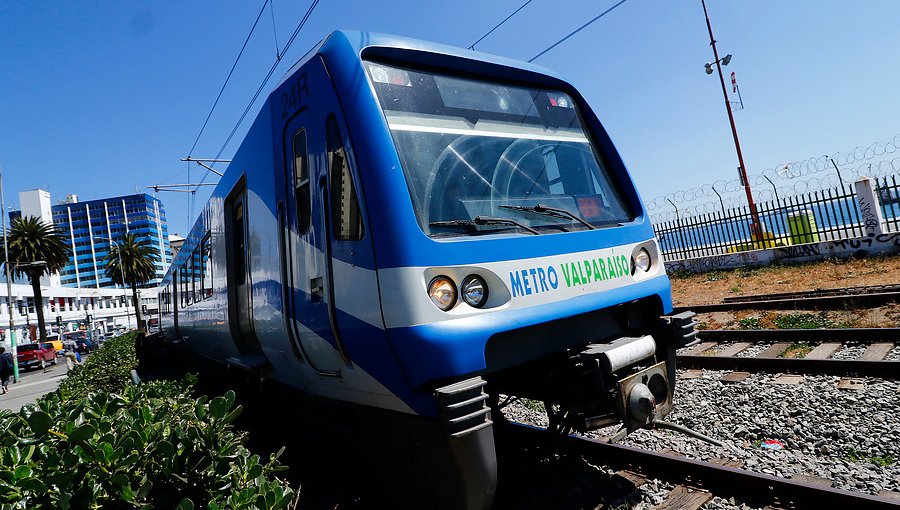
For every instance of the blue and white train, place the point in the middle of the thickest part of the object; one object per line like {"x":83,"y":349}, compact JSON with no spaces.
{"x":409,"y":231}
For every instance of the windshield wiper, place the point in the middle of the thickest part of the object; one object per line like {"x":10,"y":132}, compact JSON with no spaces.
{"x":548,"y":211}
{"x":482,"y":220}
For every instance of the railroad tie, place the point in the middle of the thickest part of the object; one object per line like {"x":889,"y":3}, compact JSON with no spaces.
{"x":734,"y":377}
{"x":877,"y":352}
{"x":684,"y":498}
{"x":733,"y":463}
{"x":773,"y":350}
{"x":733,"y":349}
{"x":823,"y":351}
{"x":884,"y":493}
{"x":798,"y":477}
{"x":851,"y":383}
{"x":700,"y":348}
{"x":631,"y":478}
{"x":788,"y":379}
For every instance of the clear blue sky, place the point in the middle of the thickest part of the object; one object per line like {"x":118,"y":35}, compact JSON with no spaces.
{"x":104,"y":98}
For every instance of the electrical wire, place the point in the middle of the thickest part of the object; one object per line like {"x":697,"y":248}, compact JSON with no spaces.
{"x":579,"y":29}
{"x":498,"y":25}
{"x":262,"y":85}
{"x":216,"y":102}
{"x":274,"y":29}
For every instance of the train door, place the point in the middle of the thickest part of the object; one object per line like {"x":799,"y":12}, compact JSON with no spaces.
{"x":306,"y":250}
{"x":321,"y":215}
{"x":240,"y":288}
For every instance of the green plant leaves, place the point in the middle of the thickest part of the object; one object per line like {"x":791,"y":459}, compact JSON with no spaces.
{"x":101,"y":442}
{"x":82,"y":433}
{"x":40,"y":422}
{"x":220,"y":405}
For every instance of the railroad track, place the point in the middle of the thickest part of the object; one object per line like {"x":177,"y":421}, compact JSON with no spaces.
{"x":822,"y":344}
{"x":698,"y":481}
{"x":828,"y":299}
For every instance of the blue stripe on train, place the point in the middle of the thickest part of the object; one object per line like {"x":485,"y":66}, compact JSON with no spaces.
{"x":368,"y":347}
{"x":455,"y":348}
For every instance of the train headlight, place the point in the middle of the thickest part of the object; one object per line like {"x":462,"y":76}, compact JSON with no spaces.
{"x":641,"y":261}
{"x":442,"y":292}
{"x":474,"y":291}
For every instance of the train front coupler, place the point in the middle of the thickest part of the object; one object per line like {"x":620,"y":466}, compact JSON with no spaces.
{"x":635,"y":374}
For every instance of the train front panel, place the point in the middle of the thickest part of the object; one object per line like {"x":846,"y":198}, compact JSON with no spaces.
{"x":510,"y":240}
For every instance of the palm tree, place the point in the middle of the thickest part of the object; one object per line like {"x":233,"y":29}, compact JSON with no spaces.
{"x":138,"y":258}
{"x":35,"y":248}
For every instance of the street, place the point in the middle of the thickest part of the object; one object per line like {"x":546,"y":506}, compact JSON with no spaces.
{"x":32,"y":385}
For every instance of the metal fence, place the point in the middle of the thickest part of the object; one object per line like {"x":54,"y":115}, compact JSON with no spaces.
{"x":826,"y":215}
{"x":888,"y":192}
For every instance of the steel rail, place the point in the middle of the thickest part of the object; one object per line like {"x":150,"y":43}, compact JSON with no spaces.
{"x":756,"y":488}
{"x":846,"y":291}
{"x":843,"y":335}
{"x":835,"y":302}
{"x":842,"y":368}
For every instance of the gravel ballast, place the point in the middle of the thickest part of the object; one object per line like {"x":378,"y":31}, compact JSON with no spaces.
{"x":850,"y":437}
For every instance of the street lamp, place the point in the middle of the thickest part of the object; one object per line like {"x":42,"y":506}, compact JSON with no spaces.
{"x":90,"y":316}
{"x":121,"y":274}
{"x":755,"y":226}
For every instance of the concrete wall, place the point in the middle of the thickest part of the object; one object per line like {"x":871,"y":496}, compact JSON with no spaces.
{"x":871,"y":245}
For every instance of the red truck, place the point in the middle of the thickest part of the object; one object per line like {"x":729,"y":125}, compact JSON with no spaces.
{"x":31,"y":355}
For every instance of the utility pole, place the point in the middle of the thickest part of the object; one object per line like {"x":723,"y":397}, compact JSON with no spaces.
{"x":755,"y":226}
{"x":9,"y":304}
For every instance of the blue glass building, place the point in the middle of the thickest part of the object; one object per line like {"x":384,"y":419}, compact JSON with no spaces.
{"x":88,"y":226}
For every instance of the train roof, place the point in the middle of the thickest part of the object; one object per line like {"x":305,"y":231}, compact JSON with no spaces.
{"x":341,"y":46}
{"x":344,"y":42}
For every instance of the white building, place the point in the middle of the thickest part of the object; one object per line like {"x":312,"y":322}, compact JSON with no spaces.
{"x":72,"y":307}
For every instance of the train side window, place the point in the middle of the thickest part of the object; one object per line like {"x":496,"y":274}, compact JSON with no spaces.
{"x":205,"y":268}
{"x":238,"y":248}
{"x":346,"y":218}
{"x":183,"y":279}
{"x":195,"y":277}
{"x":189,"y":280}
{"x":301,"y":182}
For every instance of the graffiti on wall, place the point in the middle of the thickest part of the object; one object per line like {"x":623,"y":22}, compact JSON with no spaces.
{"x":868,"y":210}
{"x":880,"y":244}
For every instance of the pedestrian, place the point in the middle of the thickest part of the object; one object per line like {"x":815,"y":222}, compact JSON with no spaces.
{"x":6,"y":369}
{"x":71,"y":359}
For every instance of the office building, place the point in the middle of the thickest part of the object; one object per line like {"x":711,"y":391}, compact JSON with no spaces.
{"x":88,"y":226}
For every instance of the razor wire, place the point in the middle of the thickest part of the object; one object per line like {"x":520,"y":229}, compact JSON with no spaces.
{"x":795,"y":178}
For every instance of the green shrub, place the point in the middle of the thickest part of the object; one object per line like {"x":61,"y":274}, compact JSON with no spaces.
{"x":101,"y":442}
{"x":803,"y":321}
{"x":149,"y":446}
{"x":750,"y":323}
{"x":714,"y":276}
{"x":107,"y":369}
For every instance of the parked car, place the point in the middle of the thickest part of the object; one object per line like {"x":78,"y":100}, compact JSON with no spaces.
{"x":57,"y":344}
{"x":85,"y":345}
{"x":31,"y":355}
{"x":79,"y":341}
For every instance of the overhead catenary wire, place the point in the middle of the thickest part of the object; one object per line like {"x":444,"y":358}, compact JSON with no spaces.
{"x":227,"y":78}
{"x":498,"y":25}
{"x":579,"y":29}
{"x":265,"y":80}
{"x":274,"y":29}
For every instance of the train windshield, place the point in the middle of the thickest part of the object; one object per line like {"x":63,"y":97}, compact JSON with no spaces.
{"x":472,"y":148}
